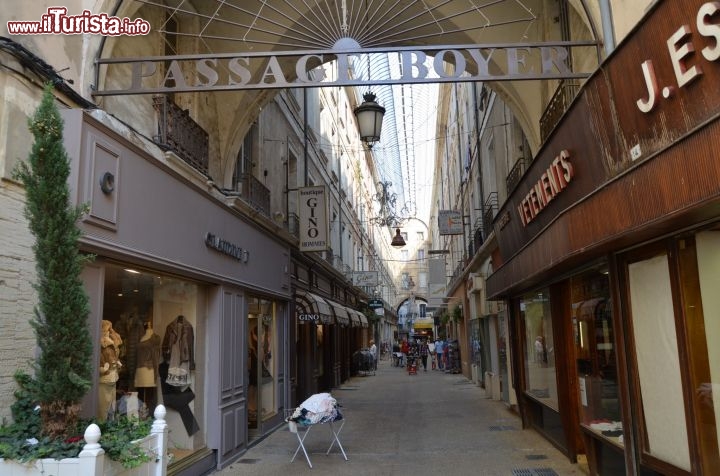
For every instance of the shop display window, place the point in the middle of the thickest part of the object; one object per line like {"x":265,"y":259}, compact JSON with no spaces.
{"x":152,"y":352}
{"x":262,"y":361}
{"x":540,"y":368}
{"x":658,"y":359}
{"x":595,"y":354}
{"x":699,"y":259}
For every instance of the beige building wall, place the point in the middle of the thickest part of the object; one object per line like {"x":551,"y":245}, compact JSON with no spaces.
{"x":17,"y":269}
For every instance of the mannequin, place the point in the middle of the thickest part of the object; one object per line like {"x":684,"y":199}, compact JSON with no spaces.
{"x":146,"y":372}
{"x":109,"y":365}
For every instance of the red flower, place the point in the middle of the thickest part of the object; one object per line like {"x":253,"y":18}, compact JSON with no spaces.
{"x":74,"y":439}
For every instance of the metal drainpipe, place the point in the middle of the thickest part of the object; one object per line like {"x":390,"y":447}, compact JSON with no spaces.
{"x":607,"y":26}
{"x":305,"y":134}
{"x":461,"y":167}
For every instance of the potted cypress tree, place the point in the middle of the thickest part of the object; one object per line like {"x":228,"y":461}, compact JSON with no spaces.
{"x":46,"y":413}
{"x":63,"y":370}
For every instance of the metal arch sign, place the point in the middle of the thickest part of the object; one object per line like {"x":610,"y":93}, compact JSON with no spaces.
{"x":228,"y":71}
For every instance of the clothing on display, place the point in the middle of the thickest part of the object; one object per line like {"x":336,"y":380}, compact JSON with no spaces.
{"x":146,"y":373}
{"x":319,"y":408}
{"x":178,"y":350}
{"x":130,"y":327}
{"x":148,"y":360}
{"x":109,"y":366}
{"x":179,"y":400}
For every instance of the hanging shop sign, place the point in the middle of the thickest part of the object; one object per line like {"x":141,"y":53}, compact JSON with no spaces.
{"x":365,"y":278}
{"x":313,"y":213}
{"x":227,"y":248}
{"x":450,"y":222}
{"x":553,"y":181}
{"x":375,"y":304}
{"x":262,"y":70}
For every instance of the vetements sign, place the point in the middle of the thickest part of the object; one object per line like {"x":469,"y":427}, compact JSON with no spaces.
{"x":313,"y":213}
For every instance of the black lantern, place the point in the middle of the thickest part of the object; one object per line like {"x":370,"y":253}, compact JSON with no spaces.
{"x":398,"y":241}
{"x":369,"y":116}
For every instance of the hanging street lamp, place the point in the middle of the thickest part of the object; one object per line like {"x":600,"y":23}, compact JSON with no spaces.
{"x":398,"y":241}
{"x":369,"y":116}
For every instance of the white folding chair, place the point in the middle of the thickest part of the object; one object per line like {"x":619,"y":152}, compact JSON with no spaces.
{"x":302,"y":431}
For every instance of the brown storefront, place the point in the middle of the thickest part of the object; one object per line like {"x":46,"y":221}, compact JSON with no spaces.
{"x":611,"y":254}
{"x":325,"y":330}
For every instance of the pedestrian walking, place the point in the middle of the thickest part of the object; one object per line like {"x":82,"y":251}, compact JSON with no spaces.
{"x":373,"y":351}
{"x":431,"y":348}
{"x":424,"y":351}
{"x":439,"y":352}
{"x":405,"y":349}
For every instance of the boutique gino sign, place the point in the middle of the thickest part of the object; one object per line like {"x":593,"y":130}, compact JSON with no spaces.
{"x":548,"y":186}
{"x":313,"y":213}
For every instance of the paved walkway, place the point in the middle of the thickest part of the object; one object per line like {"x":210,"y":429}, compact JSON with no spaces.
{"x":397,"y":424}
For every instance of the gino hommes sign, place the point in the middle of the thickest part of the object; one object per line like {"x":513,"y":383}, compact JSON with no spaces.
{"x":313,"y":213}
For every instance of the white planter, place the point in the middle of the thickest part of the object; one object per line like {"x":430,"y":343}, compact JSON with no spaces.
{"x":92,"y":460}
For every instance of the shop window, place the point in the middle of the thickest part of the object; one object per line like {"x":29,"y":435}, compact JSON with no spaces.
{"x":540,"y":368}
{"x":658,"y":361}
{"x":595,"y":354}
{"x":152,"y":321}
{"x":699,"y":260}
{"x":263,"y":362}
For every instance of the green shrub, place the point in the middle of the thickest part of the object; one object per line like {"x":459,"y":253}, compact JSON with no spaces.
{"x":18,"y":441}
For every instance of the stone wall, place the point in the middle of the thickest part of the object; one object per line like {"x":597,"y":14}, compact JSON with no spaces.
{"x":17,"y":296}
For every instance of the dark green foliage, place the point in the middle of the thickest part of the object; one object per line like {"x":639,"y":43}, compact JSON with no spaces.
{"x":25,"y":412}
{"x":457,"y":313}
{"x":117,"y":437}
{"x":63,"y":371}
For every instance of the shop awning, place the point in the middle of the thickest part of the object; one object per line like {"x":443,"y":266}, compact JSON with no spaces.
{"x":423,"y":324}
{"x":355,"y":318}
{"x":341,"y":313}
{"x":358,"y":318}
{"x":312,"y":308}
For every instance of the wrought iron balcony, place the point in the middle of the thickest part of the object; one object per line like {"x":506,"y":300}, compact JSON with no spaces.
{"x":254,"y":193}
{"x":559,"y":103}
{"x":513,"y":177}
{"x":179,"y":133}
{"x":491,"y":207}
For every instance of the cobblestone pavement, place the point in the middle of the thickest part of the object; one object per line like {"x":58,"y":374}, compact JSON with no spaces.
{"x":432,"y":423}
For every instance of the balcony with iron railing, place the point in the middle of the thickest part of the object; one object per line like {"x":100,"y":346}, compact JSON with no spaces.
{"x":491,"y":207}
{"x":558,"y":105}
{"x":179,"y":133}
{"x":513,"y":178}
{"x":476,"y":239}
{"x":254,"y":193}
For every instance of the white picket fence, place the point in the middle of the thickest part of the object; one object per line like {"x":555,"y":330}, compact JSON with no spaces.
{"x":92,"y":460}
